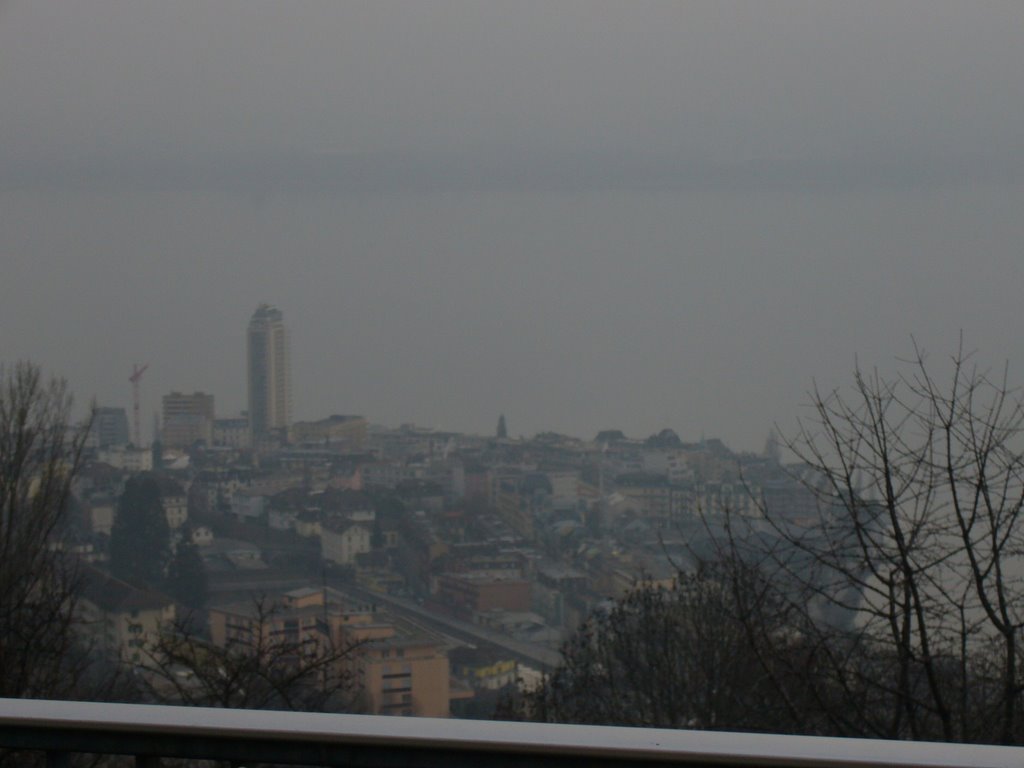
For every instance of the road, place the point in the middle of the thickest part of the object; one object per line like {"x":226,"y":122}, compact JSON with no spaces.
{"x":534,"y":655}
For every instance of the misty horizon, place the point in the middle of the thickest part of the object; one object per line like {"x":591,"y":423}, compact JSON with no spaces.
{"x":582,"y":215}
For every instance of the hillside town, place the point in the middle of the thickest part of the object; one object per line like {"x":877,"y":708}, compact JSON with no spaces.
{"x":447,"y":566}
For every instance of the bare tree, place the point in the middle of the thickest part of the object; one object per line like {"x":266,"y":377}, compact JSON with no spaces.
{"x":892,"y":608}
{"x":264,"y":667}
{"x":907,"y":585}
{"x":39,"y":454}
{"x":670,"y":657}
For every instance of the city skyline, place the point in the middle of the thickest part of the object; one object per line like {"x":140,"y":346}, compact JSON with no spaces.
{"x":581,"y":215}
{"x":652,"y":363}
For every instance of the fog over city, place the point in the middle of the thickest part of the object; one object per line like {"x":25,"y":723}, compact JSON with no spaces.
{"x":583,"y":215}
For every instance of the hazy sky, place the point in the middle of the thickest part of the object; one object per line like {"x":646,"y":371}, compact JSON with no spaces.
{"x":584,"y":214}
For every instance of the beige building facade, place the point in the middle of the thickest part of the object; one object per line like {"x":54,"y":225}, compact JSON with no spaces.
{"x":400,"y":672}
{"x":187,"y":419}
{"x":120,"y":620}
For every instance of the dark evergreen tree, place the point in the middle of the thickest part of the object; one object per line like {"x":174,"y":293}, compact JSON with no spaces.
{"x":610,"y":436}
{"x":186,"y":575}
{"x":502,"y":432}
{"x":667,"y":438}
{"x":377,"y":536}
{"x":139,"y":540}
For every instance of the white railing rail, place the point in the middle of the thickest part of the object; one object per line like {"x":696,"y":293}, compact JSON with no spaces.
{"x":61,"y":728}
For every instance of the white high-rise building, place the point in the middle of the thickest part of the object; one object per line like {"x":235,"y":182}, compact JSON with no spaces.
{"x":270,"y":404}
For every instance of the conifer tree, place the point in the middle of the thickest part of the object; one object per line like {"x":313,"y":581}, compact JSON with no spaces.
{"x":139,"y":540}
{"x":186,"y":575}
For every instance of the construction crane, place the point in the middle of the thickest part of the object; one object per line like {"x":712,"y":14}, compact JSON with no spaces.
{"x":136,"y":376}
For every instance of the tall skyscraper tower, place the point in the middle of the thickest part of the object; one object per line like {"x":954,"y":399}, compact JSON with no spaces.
{"x":270,"y":403}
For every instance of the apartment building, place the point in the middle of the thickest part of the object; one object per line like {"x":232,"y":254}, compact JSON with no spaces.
{"x":400,"y":670}
{"x":118,"y":619}
{"x":187,"y":419}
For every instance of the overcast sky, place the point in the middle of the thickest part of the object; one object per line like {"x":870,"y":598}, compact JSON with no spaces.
{"x":584,"y":215}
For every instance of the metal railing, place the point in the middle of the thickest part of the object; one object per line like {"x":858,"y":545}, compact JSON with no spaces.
{"x":244,"y":737}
